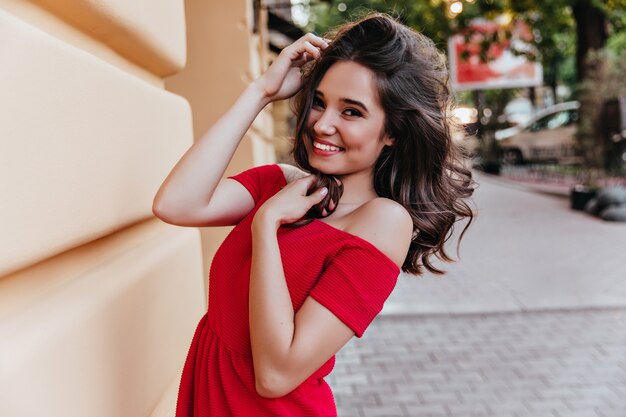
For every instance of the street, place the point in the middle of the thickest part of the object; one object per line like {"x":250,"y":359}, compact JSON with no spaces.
{"x":531,"y":322}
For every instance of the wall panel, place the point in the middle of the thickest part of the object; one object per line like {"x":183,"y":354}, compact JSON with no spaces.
{"x":150,"y":33}
{"x":84,"y":145}
{"x":106,"y":338}
{"x":224,"y":55}
{"x":99,"y":300}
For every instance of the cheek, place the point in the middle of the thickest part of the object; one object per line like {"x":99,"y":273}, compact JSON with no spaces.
{"x":363,"y":138}
{"x":314,"y":116}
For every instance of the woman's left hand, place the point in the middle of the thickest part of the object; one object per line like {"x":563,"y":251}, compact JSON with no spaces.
{"x":291,"y":203}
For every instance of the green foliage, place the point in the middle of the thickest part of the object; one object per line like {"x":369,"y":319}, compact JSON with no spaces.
{"x":551,"y":21}
{"x":617,"y":43}
{"x":498,"y":99}
{"x":427,"y":17}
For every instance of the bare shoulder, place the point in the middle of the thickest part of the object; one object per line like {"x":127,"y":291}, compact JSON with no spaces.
{"x":385,"y":224}
{"x":292,"y":173}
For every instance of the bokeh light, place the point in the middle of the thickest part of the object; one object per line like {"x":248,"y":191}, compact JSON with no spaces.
{"x":456,"y":7}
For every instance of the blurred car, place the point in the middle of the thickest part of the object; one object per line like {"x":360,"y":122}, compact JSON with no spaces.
{"x":547,"y":136}
{"x":519,"y":111}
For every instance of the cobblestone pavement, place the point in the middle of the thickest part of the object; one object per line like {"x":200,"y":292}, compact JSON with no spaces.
{"x":550,"y":363}
{"x":530,"y":322}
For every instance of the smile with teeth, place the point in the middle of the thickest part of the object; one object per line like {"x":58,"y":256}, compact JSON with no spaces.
{"x":324,"y":147}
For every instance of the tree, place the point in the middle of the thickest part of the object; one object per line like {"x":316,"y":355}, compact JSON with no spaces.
{"x":591,"y":32}
{"x":587,"y":24}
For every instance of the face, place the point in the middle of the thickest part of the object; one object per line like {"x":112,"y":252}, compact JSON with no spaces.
{"x":346,"y":121}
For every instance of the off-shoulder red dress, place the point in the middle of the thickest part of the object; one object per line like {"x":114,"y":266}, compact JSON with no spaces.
{"x":343,"y":272}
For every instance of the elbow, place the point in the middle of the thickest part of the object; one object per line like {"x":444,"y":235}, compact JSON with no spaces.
{"x":155,"y":209}
{"x":177,"y":215}
{"x":158,"y":211}
{"x":272,"y":386}
{"x":162,"y":213}
{"x":268,"y":392}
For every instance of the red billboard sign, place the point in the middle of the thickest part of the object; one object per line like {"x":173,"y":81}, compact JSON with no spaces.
{"x":473,"y":66}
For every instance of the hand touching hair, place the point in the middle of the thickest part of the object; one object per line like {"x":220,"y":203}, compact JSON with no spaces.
{"x":423,"y":170}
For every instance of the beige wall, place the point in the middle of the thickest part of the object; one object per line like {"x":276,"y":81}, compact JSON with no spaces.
{"x":98,"y":299}
{"x":223,"y":56}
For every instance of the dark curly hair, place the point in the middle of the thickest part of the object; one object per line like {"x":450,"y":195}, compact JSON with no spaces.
{"x":422,"y":170}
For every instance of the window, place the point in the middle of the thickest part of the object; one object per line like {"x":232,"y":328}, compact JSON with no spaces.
{"x":555,"y":120}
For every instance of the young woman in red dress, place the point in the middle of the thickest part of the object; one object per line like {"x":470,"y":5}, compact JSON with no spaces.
{"x":317,"y":248}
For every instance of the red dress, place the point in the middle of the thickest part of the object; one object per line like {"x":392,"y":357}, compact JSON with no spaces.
{"x":343,"y":272}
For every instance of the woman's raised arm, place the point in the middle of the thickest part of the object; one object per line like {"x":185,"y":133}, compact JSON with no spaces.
{"x":192,"y":194}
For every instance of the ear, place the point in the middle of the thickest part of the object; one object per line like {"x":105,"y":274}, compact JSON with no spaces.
{"x":388,"y":140}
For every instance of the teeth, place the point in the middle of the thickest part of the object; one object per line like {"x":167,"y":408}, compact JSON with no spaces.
{"x":325,"y":147}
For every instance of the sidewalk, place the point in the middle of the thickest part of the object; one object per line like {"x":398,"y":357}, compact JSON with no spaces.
{"x":539,"y":364}
{"x":525,"y":251}
{"x":531,"y":322}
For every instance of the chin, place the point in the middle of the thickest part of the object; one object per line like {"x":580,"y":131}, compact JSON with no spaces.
{"x":322,"y":165}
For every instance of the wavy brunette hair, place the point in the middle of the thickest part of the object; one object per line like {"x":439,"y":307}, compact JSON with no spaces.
{"x":422,"y":170}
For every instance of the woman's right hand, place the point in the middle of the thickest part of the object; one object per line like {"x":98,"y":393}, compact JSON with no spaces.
{"x":283,"y":78}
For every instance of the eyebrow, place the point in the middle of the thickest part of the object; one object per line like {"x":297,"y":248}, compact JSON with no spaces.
{"x":346,"y":100}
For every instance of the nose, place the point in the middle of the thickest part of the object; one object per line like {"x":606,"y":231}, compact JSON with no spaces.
{"x":325,"y":124}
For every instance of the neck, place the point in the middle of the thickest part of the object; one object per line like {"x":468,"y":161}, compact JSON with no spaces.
{"x":358,"y":188}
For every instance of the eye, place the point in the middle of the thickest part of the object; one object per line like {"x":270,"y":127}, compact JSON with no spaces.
{"x":352,"y":112}
{"x":317,"y":103}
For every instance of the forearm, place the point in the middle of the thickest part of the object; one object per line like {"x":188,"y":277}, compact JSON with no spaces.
{"x":193,"y":179}
{"x":286,"y":346}
{"x":271,"y":311}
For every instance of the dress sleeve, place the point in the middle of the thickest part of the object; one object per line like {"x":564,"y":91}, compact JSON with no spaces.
{"x":262,"y":181}
{"x":356,"y":284}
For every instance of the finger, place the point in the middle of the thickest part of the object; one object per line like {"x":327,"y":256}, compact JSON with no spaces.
{"x":296,"y":49}
{"x":305,"y":183}
{"x":316,"y":40}
{"x":317,"y":196}
{"x":300,"y":62}
{"x":314,"y":51}
{"x":294,"y":52}
{"x":302,"y":59}
{"x":306,"y":48}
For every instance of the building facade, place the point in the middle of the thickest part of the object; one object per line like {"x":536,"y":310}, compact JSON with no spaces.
{"x":99,"y":299}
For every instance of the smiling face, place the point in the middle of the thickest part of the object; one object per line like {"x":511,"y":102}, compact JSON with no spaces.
{"x":346,"y":121}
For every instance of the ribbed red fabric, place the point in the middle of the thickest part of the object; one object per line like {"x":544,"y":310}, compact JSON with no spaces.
{"x":343,"y":272}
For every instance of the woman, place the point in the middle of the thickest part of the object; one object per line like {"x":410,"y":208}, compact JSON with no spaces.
{"x":317,"y":249}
